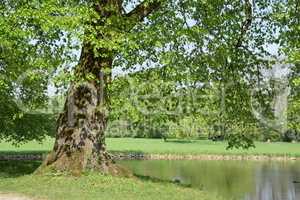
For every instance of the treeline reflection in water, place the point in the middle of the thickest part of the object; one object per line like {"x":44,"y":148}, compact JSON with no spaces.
{"x":236,"y":180}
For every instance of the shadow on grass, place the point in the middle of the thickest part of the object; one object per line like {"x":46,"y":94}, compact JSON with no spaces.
{"x":15,"y":168}
{"x":2,"y":153}
{"x":179,"y":141}
{"x":19,"y":163}
{"x":158,"y":180}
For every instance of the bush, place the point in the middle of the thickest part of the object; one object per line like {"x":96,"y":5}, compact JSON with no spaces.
{"x":120,"y":128}
{"x":291,"y":135}
{"x":187,"y":127}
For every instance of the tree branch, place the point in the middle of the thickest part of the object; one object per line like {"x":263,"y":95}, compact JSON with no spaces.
{"x":144,"y":9}
{"x":246,"y":24}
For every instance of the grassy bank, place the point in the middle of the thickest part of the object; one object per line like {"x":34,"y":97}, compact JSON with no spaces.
{"x":15,"y":177}
{"x":158,"y":146}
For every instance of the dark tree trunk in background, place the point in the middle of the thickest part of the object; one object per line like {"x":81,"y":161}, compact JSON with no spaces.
{"x":80,"y":139}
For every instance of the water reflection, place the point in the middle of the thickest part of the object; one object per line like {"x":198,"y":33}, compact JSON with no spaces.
{"x":236,"y":180}
{"x":276,"y":181}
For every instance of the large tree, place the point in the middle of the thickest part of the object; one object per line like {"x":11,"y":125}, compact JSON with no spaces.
{"x":192,"y":41}
{"x":80,"y":139}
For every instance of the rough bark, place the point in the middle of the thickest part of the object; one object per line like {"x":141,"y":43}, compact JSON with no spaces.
{"x":80,"y":139}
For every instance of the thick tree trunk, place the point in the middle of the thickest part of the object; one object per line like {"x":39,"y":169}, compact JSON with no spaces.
{"x":80,"y":143}
{"x":80,"y":139}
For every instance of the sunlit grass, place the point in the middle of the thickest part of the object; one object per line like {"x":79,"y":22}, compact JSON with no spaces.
{"x":158,"y":146}
{"x":15,"y":178}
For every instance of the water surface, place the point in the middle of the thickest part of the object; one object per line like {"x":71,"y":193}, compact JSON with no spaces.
{"x":236,"y":180}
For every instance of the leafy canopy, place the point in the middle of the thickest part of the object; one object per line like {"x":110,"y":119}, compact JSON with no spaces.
{"x":190,"y":42}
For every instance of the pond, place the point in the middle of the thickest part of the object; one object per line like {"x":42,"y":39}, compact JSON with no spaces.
{"x":236,"y":180}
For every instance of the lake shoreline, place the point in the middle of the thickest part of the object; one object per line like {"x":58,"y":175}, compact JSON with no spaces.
{"x":161,"y":156}
{"x":138,"y":156}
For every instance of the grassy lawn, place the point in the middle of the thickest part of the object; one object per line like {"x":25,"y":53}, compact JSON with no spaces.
{"x":170,"y":147}
{"x":200,"y":147}
{"x":15,"y":177}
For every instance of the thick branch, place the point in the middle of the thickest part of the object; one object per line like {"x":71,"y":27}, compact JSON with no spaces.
{"x":246,"y":24}
{"x":144,"y":9}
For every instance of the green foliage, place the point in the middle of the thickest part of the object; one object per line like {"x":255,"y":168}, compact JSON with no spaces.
{"x":187,"y":127}
{"x":188,"y":44}
{"x":240,"y":140}
{"x":293,"y":132}
{"x":35,"y":41}
{"x":144,"y":105}
{"x":17,"y":126}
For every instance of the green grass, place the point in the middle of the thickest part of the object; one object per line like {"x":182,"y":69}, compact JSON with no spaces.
{"x":15,"y":175}
{"x":14,"y":178}
{"x":201,"y":147}
{"x":158,"y":146}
